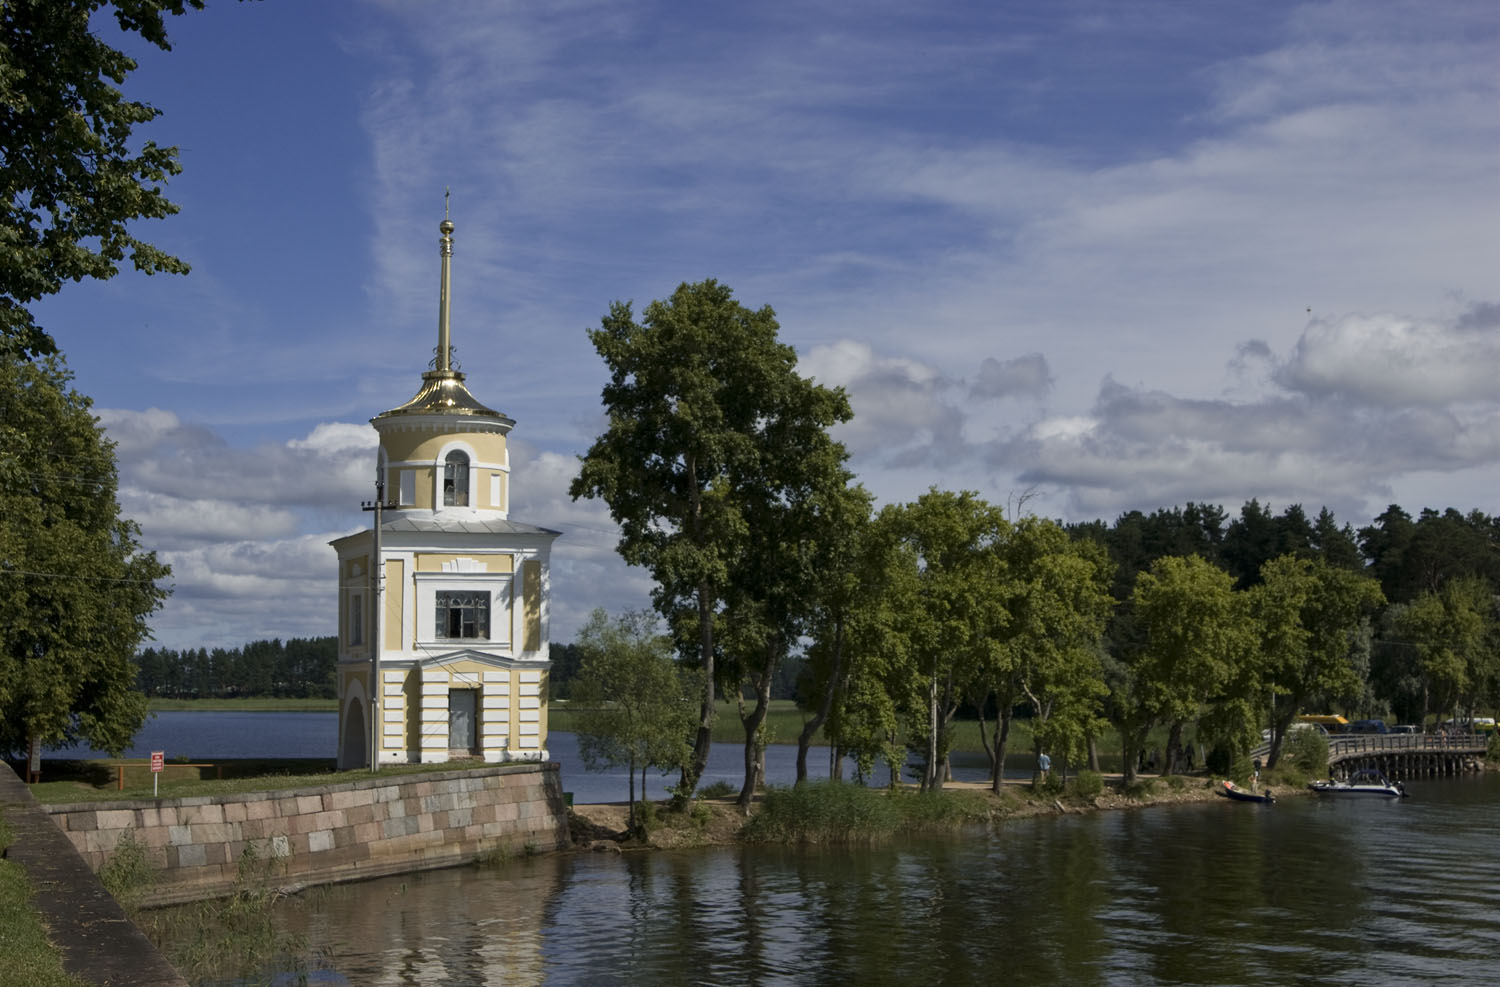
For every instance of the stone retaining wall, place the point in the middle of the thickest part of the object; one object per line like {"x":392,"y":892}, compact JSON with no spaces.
{"x":340,"y":832}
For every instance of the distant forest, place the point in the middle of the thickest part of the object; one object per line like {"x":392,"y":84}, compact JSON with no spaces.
{"x":299,"y":668}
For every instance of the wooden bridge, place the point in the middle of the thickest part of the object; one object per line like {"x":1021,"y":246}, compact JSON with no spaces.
{"x":1400,"y":755}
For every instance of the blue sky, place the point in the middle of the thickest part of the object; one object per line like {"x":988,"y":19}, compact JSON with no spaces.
{"x":1115,"y":255}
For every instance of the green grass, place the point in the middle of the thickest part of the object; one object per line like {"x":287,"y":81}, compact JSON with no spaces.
{"x":94,"y":781}
{"x":265,"y":704}
{"x":26,"y":956}
{"x":237,"y":936}
{"x":834,"y":812}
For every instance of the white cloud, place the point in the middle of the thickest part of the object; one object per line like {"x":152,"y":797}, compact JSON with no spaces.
{"x":1391,"y":361}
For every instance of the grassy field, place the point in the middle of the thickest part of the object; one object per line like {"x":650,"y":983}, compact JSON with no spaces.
{"x":246,"y":705}
{"x":784,"y":724}
{"x":25,"y":954}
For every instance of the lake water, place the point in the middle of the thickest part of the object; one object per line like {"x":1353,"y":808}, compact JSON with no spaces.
{"x":1306,"y":891}
{"x":204,"y":736}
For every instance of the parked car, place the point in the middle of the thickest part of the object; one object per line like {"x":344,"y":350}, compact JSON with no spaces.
{"x":1368,"y":726}
{"x":1405,"y":728}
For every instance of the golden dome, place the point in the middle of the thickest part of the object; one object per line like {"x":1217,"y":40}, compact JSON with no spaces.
{"x":443,"y":393}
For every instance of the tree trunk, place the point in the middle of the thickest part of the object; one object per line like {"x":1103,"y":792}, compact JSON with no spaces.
{"x":1174,"y":748}
{"x":1093,"y":743}
{"x":698,"y":762}
{"x":825,"y":706}
{"x":930,"y":778}
{"x":997,"y":782}
{"x":630,"y":773}
{"x":755,"y":763}
{"x":984,"y":740}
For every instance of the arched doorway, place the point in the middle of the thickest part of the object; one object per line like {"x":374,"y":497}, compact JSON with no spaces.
{"x":353,"y":751}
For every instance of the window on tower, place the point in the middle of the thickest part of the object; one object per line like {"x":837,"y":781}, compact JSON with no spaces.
{"x":456,"y":480}
{"x":463,"y":614}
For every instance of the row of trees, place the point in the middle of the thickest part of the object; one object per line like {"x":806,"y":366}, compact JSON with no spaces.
{"x":718,"y":466}
{"x":297,"y":668}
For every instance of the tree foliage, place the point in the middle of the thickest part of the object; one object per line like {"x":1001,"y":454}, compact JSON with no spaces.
{"x":1308,"y":615}
{"x":710,"y":426}
{"x":635,"y":703}
{"x":954,"y":619}
{"x":1058,"y":604}
{"x":75,"y":588}
{"x":72,"y":176}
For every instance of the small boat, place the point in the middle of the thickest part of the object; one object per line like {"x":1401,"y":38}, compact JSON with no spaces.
{"x":1363,"y":783}
{"x":1233,"y":791}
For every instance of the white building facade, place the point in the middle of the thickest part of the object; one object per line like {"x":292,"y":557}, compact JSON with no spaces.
{"x":443,"y":616}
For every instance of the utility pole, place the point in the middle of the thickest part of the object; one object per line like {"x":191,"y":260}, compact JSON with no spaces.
{"x":377,"y":612}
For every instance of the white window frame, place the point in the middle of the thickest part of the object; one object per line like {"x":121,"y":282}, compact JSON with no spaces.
{"x":502,"y":608}
{"x":439,"y":466}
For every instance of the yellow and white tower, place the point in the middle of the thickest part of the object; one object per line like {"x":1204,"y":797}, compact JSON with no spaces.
{"x":443,"y":608}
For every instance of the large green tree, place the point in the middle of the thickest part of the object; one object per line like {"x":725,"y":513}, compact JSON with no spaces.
{"x":1195,"y":636}
{"x":708,"y":423}
{"x":954,"y":619}
{"x":854,"y":647}
{"x":75,"y":588}
{"x":1309,"y":615}
{"x":635,"y":703}
{"x":1453,"y":632}
{"x":72,"y":174}
{"x":1058,"y":602}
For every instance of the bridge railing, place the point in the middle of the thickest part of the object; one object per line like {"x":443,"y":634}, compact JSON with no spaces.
{"x":1345,"y":745}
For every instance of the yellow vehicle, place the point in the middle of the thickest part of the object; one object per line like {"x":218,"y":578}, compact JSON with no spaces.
{"x":1331,"y":722}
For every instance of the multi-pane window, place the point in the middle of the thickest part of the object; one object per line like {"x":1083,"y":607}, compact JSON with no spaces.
{"x":456,"y":480}
{"x":463,"y":614}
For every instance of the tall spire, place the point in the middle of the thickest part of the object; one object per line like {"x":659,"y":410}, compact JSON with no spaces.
{"x":444,"y":349}
{"x":443,"y":391}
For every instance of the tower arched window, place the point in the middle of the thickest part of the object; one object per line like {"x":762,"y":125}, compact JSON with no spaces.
{"x":456,"y":480}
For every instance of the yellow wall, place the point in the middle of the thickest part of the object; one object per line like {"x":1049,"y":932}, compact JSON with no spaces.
{"x":394,"y":588}
{"x":421,"y":495}
{"x":493,"y":561}
{"x":354,"y":567}
{"x":531,"y":580}
{"x":484,"y":489}
{"x":408,"y":446}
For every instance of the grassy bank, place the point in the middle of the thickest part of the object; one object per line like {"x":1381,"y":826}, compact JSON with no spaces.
{"x":26,"y":956}
{"x":250,"y":704}
{"x":95,"y":781}
{"x":829,"y":812}
{"x":832,"y":813}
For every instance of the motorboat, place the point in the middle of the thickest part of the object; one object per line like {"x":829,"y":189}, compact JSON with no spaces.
{"x":1233,"y":791}
{"x":1362,"y":783}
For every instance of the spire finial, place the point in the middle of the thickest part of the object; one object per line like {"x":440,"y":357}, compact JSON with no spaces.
{"x":446,"y":228}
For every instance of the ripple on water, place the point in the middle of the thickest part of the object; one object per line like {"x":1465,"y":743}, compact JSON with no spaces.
{"x":1220,"y":893}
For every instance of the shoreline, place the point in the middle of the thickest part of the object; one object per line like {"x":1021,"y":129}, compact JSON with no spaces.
{"x":601,"y":827}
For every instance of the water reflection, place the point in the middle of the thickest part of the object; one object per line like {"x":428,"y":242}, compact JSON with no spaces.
{"x":1222,"y":893}
{"x":460,"y":926}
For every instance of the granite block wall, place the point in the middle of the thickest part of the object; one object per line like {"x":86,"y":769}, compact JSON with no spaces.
{"x":367,"y":828}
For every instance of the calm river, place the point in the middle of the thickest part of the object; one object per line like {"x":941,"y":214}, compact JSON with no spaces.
{"x":1306,"y":891}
